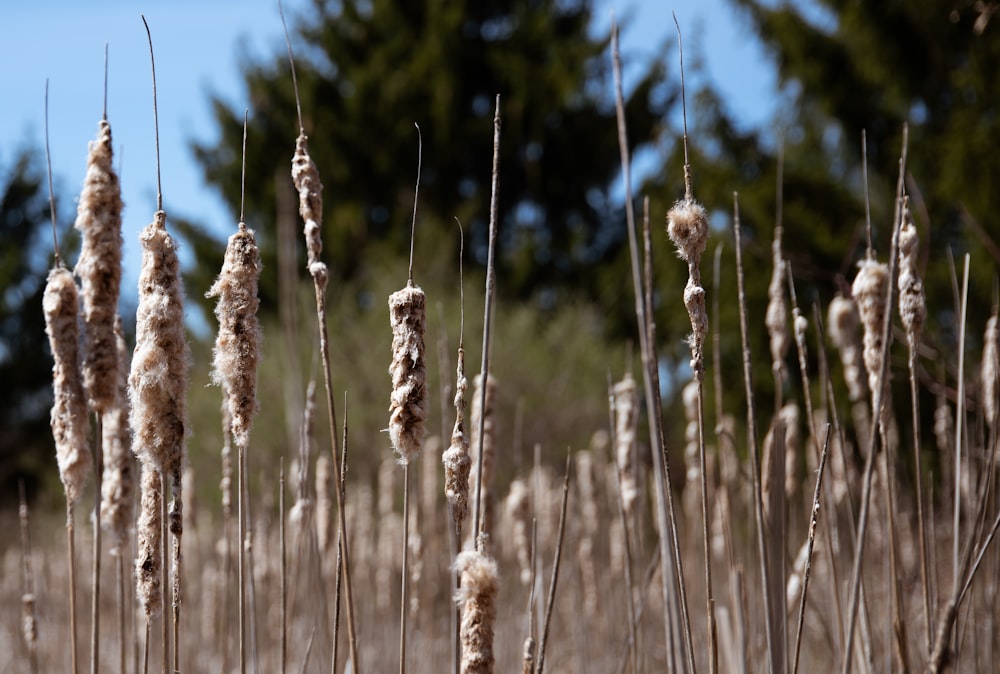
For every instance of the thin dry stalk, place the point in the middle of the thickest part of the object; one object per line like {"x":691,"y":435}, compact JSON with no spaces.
{"x":772,"y":639}
{"x":555,"y":572}
{"x":477,"y":517}
{"x":340,"y":560}
{"x":809,"y":553}
{"x":29,"y":617}
{"x":671,"y":566}
{"x":283,"y":655}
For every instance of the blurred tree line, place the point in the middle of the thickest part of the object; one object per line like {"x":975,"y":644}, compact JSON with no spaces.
{"x":369,"y":69}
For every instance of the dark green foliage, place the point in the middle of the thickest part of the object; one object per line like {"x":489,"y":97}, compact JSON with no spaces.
{"x":368,"y":71}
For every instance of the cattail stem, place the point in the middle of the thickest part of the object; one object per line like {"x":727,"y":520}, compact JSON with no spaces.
{"x":240,"y":563}
{"x":555,"y":572}
{"x":282,"y":565}
{"x":71,"y":551}
{"x":404,"y":581}
{"x":95,"y":607}
{"x":812,"y":538}
{"x":120,"y":576}
{"x":772,"y":639}
{"x":340,"y":535}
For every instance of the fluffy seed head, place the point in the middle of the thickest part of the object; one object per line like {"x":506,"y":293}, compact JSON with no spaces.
{"x":842,"y":319}
{"x":237,"y":346}
{"x":626,"y":421}
{"x":776,"y":318}
{"x":687,"y":226}
{"x":147,"y":533}
{"x":118,"y":480}
{"x":408,"y":401}
{"x":159,"y":376}
{"x":99,"y":219}
{"x":69,"y":409}
{"x":29,"y":621}
{"x":305,"y":175}
{"x":990,"y":367}
{"x":912,"y":303}
{"x":477,"y":595}
{"x":517,"y":508}
{"x":456,"y":460}
{"x":869,"y":292}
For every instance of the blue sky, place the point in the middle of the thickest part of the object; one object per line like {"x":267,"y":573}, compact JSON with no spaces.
{"x":198,"y":47}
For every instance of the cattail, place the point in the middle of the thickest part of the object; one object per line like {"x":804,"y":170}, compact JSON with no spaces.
{"x":990,"y":375}
{"x":585,"y":485}
{"x":626,"y":421}
{"x":408,"y":402}
{"x":687,"y":226}
{"x":528,"y":656}
{"x":29,"y":621}
{"x":457,"y":462}
{"x":118,"y":483}
{"x":793,"y":449}
{"x":488,"y":445}
{"x":305,"y":175}
{"x":415,"y":545}
{"x":776,"y":317}
{"x":237,"y":346}
{"x":158,"y":380}
{"x":517,"y":507}
{"x":869,"y":292}
{"x":69,"y":409}
{"x":793,"y":588}
{"x":842,"y":319}
{"x":477,"y":595}
{"x":912,"y":303}
{"x":324,"y":503}
{"x":148,"y":528}
{"x":99,"y":219}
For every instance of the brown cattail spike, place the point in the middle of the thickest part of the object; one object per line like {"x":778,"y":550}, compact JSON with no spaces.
{"x":687,"y":226}
{"x":148,"y":532}
{"x":305,"y":175}
{"x":69,"y":409}
{"x":119,"y":465}
{"x":477,"y":596}
{"x":159,"y":376}
{"x":869,"y":292}
{"x":99,"y":219}
{"x":912,"y":303}
{"x":237,"y":345}
{"x":457,"y":463}
{"x":408,"y":402}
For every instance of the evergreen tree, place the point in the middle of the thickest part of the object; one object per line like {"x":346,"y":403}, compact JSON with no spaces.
{"x":367,"y":71}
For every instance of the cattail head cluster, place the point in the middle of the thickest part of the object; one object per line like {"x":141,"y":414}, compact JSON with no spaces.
{"x":517,"y":507}
{"x":99,"y":219}
{"x":626,"y":401}
{"x":305,"y":175}
{"x":237,"y":345}
{"x":457,"y":463}
{"x":158,"y":380}
{"x":912,"y":303}
{"x":692,"y":463}
{"x":869,"y":290}
{"x":118,"y":481}
{"x":687,"y":226}
{"x":408,"y":401}
{"x":479,"y":583}
{"x":69,"y":409}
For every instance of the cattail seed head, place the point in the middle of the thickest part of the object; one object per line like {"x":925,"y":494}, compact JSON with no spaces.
{"x":148,"y":528}
{"x":626,"y":421}
{"x":687,"y":226}
{"x":776,"y":317}
{"x":237,"y":346}
{"x":457,"y":462}
{"x":118,"y":480}
{"x":477,"y":595}
{"x":305,"y":175}
{"x":912,"y":302}
{"x":842,"y":319}
{"x":517,"y":507}
{"x":159,"y":376}
{"x":69,"y":409}
{"x":29,"y":621}
{"x":408,"y":401}
{"x":991,"y":370}
{"x":99,"y":219}
{"x":869,"y":292}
